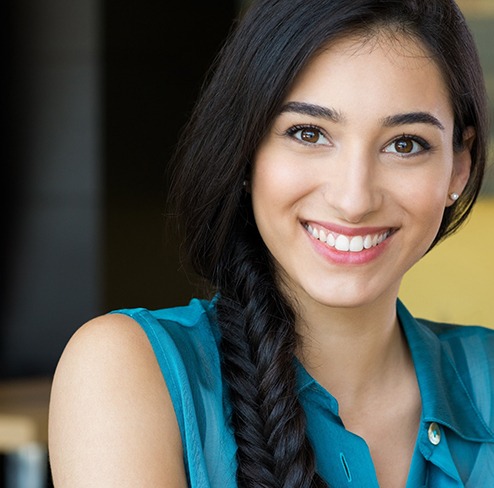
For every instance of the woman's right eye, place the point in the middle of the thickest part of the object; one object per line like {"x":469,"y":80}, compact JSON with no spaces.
{"x":308,"y":135}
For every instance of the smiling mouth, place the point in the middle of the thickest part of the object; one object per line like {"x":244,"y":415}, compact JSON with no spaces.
{"x":345,"y":243}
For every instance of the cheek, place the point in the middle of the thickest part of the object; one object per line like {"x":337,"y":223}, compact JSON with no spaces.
{"x":428,"y":197}
{"x":278,"y":181}
{"x":426,"y":186}
{"x":425,"y":200}
{"x":434,"y":190}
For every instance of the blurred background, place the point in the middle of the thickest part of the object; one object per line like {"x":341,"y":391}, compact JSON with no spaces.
{"x":94,"y":95}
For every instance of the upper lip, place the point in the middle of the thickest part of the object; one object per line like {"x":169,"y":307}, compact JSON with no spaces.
{"x":348,"y":231}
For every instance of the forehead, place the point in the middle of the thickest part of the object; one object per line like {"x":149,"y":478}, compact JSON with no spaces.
{"x":389,"y":68}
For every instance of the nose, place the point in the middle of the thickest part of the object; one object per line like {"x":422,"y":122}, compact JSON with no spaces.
{"x":354,"y":187}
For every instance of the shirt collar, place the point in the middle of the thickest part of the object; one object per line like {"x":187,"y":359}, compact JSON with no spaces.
{"x":445,"y":398}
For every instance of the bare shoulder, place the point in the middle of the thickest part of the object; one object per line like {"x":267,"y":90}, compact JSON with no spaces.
{"x":112,"y":422}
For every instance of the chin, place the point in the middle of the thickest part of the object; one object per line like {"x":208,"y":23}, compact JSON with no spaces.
{"x":340,"y":298}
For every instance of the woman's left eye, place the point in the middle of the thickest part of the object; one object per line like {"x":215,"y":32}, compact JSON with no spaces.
{"x":407,"y":146}
{"x":308,"y":135}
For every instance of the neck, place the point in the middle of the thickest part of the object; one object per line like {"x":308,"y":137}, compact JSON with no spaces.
{"x":354,"y":353}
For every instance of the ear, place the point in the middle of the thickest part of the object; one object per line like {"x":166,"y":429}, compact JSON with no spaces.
{"x":462,"y":162}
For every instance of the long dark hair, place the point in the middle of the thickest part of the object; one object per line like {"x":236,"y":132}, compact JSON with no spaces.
{"x":253,"y":74}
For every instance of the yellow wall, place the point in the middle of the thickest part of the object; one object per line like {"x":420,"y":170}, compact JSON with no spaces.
{"x":455,"y":281}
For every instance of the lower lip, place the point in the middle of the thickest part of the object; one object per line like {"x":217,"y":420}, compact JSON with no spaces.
{"x":348,"y":257}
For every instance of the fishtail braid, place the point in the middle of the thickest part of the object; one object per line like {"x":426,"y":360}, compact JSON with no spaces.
{"x":258,"y":345}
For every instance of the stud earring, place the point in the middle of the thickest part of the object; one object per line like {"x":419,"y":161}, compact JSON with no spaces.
{"x":454,"y":196}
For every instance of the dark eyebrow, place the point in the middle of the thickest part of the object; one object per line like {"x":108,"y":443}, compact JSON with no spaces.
{"x":334,"y":116}
{"x":412,"y":118}
{"x":312,"y":110}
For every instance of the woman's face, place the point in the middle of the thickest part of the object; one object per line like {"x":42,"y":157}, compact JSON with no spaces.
{"x":350,"y":184}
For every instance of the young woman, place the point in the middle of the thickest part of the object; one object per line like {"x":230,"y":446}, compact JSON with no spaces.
{"x":336,"y":143}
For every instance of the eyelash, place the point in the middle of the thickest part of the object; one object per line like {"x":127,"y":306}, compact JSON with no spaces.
{"x":416,"y":139}
{"x":297,"y":128}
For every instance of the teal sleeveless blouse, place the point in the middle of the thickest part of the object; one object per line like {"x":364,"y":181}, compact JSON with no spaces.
{"x":455,"y":372}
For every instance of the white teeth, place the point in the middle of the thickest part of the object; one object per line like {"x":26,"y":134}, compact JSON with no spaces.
{"x":356,"y":244}
{"x":342,"y":243}
{"x":383,"y":237}
{"x":345,"y":243}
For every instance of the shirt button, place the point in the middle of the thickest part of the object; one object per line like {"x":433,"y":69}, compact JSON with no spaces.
{"x":434,"y":434}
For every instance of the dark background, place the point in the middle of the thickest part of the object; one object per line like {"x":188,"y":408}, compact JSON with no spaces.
{"x":94,"y":95}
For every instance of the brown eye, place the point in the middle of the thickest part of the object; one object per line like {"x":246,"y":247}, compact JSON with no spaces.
{"x":407,"y":146}
{"x":310,"y":135}
{"x":404,"y":145}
